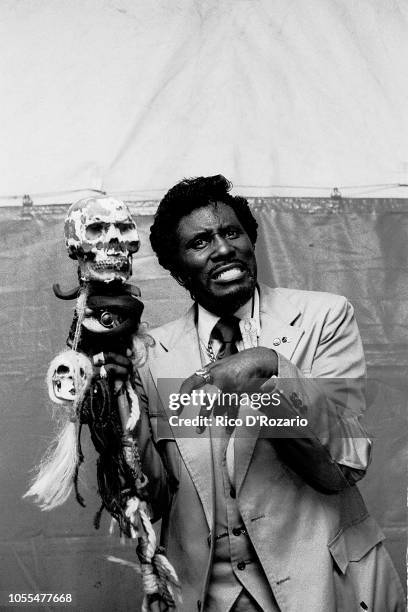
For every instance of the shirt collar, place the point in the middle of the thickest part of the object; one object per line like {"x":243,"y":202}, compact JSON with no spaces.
{"x":207,"y":320}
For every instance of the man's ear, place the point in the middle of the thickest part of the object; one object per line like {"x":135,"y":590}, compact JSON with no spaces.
{"x":180,"y":281}
{"x":177,"y":276}
{"x":184,"y":282}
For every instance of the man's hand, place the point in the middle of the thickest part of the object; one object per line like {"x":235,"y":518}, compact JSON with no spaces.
{"x":243,"y":372}
{"x":115,"y":365}
{"x":118,"y":367}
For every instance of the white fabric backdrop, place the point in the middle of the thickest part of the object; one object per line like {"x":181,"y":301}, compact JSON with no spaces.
{"x":129,"y":95}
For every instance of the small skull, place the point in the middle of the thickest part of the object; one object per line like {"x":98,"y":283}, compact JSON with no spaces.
{"x":101,"y":234}
{"x":63,"y":384}
{"x":69,"y":374}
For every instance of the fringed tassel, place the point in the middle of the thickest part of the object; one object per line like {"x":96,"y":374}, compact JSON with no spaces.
{"x":53,"y":483}
{"x":134,"y":408}
{"x":80,"y":311}
{"x":97,"y":517}
{"x":169,"y":584}
{"x":80,"y":459}
{"x":159,"y":578}
{"x":160,"y":581}
{"x":124,"y":562}
{"x":140,"y":345}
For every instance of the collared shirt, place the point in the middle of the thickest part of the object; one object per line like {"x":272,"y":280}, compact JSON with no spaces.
{"x":248,"y":315}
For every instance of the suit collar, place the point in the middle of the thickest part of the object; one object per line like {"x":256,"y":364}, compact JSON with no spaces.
{"x":274,"y":303}
{"x":273,"y":306}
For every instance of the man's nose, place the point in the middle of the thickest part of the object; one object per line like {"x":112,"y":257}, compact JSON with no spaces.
{"x":222,"y":247}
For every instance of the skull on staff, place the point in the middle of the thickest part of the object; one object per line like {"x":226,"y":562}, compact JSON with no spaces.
{"x":101,"y":234}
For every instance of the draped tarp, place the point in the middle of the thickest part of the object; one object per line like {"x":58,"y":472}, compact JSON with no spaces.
{"x":132,"y":95}
{"x":353,"y":247}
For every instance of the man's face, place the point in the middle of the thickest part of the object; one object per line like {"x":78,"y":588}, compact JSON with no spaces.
{"x":216,"y":258}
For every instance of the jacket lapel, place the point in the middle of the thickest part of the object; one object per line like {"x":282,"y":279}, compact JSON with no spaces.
{"x":276,"y":315}
{"x":181,"y":357}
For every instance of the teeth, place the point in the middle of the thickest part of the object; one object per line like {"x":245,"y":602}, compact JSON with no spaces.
{"x":229,"y":274}
{"x":111,"y":264}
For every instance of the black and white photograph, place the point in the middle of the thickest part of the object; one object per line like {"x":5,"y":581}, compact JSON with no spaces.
{"x":204,"y":298}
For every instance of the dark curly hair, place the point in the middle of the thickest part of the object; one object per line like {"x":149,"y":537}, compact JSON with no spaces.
{"x":181,"y":200}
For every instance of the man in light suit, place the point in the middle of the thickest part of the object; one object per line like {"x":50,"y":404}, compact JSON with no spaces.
{"x":252,"y":521}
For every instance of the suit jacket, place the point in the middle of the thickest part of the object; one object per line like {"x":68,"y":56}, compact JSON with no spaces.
{"x":318,"y":546}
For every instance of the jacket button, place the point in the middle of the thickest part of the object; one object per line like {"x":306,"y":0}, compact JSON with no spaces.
{"x":232,"y":493}
{"x":241,"y":565}
{"x":236,"y":531}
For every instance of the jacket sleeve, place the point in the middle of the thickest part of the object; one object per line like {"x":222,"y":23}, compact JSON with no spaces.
{"x":332,"y":451}
{"x":161,"y":482}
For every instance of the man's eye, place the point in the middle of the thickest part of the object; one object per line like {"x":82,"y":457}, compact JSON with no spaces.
{"x":199,"y":243}
{"x":232,"y":233}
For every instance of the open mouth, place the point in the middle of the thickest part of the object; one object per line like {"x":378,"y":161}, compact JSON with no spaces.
{"x":229,"y":273}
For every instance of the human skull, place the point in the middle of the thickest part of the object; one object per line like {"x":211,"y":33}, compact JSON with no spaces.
{"x":69,"y":374}
{"x":101,"y":234}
